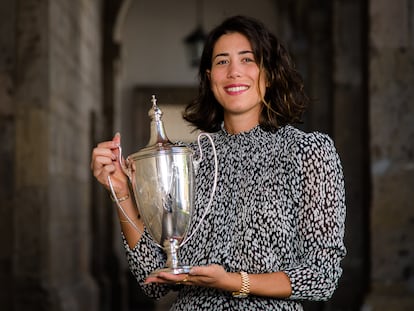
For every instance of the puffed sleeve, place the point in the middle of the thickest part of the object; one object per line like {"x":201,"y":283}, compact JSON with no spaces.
{"x":143,"y":259}
{"x":320,"y":198}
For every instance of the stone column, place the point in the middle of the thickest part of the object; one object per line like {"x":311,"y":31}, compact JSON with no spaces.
{"x":350,"y":133}
{"x":31,"y":286}
{"x":319,"y":67}
{"x":57,"y":87}
{"x":391,"y":91}
{"x":333,"y":54}
{"x":7,"y":131}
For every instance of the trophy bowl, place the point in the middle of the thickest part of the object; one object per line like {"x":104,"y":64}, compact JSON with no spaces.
{"x":163,"y":185}
{"x":162,"y":176}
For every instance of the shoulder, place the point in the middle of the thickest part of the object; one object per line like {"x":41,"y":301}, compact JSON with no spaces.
{"x":302,"y":142}
{"x":309,"y":147}
{"x":299,"y":137}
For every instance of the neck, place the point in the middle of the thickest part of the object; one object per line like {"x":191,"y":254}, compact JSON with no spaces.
{"x":237,"y":125}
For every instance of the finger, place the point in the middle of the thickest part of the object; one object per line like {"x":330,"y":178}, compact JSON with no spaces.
{"x":101,"y":156}
{"x":207,"y":269}
{"x":150,"y":279}
{"x":98,"y":161}
{"x":107,"y":145}
{"x":160,"y":280}
{"x":107,"y":152}
{"x":109,"y":169}
{"x":165,"y":277}
{"x":103,"y":160}
{"x":199,"y":270}
{"x":186,"y":280}
{"x":102,"y":176}
{"x":117,"y":138}
{"x":171,"y":276}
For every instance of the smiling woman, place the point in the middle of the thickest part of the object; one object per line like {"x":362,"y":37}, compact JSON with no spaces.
{"x":236,"y":82}
{"x":278,"y":84}
{"x":274,"y":232}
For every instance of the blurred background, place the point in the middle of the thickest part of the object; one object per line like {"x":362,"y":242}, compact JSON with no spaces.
{"x":72,"y":73}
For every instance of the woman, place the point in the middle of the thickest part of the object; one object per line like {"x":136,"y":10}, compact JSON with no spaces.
{"x":274,"y":235}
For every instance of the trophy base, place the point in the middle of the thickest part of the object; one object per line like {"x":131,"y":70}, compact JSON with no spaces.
{"x":177,"y":270}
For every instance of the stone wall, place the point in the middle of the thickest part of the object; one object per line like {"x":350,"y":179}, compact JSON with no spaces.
{"x":351,"y":136}
{"x":391,"y":80}
{"x":51,"y":95}
{"x":7,"y":130}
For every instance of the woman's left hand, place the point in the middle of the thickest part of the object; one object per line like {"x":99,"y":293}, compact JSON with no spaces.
{"x":276,"y":284}
{"x":207,"y":276}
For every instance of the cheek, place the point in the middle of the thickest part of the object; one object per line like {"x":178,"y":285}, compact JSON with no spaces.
{"x":214,"y":82}
{"x":216,"y":90}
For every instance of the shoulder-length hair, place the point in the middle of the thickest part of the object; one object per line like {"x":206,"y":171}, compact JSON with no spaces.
{"x":284,"y":101}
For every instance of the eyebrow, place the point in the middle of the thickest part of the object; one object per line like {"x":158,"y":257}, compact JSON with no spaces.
{"x":227,"y":54}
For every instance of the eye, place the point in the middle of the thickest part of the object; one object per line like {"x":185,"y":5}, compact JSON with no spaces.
{"x":248,"y":60}
{"x":222,"y":62}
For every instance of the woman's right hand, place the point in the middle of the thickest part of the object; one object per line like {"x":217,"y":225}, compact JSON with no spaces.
{"x":105,"y":162}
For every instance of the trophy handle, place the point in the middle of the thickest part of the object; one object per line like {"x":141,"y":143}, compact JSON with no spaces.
{"x":126,"y":170}
{"x":213,"y":189}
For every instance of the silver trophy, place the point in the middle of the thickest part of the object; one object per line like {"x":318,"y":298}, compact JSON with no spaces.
{"x":162,"y":178}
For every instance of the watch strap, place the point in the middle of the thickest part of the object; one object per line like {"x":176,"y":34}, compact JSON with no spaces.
{"x":245,"y":286}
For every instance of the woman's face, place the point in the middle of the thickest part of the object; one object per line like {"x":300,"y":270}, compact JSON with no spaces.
{"x":235,"y":78}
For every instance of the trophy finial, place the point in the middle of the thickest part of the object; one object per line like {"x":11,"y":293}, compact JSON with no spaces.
{"x":157,"y":134}
{"x":155,"y":112}
{"x":154,"y":101}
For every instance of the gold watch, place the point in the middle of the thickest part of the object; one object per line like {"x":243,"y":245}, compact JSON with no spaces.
{"x":245,"y":287}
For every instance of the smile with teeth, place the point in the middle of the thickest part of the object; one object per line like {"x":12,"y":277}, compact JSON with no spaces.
{"x":235,"y":89}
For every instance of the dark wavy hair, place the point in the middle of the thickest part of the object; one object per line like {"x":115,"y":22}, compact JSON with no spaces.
{"x":284,"y":101}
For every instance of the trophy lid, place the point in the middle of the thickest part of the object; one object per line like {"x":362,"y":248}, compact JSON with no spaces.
{"x":158,"y":142}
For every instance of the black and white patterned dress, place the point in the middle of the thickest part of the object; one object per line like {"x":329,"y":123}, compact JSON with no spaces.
{"x":279,"y":206}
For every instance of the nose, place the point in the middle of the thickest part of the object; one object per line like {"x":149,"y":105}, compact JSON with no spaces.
{"x":233,"y":70}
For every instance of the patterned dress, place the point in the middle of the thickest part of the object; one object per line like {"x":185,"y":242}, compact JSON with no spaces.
{"x":279,"y":206}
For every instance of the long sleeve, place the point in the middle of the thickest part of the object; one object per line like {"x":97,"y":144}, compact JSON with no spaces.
{"x":320,"y":198}
{"x":143,"y":259}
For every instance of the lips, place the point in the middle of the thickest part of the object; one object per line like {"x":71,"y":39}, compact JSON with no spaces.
{"x":236,"y":89}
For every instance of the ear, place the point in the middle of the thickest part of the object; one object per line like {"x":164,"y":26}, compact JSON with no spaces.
{"x":208,"y":73}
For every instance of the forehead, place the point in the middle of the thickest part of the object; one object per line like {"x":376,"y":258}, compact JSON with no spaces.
{"x":232,"y":42}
